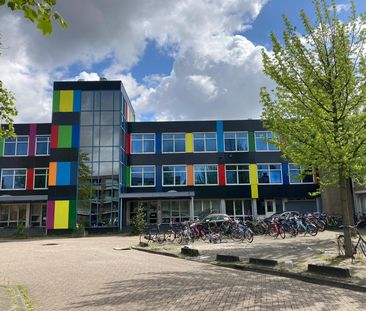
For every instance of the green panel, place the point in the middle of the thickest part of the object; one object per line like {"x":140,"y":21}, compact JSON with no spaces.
{"x":128,"y":173}
{"x":56,"y":101}
{"x":251,"y":142}
{"x":72,"y":214}
{"x":1,"y":147}
{"x":64,"y":136}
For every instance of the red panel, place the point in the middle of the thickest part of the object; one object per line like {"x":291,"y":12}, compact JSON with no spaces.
{"x":54,"y":136}
{"x":30,"y":177}
{"x":221,"y":174}
{"x":128,"y":143}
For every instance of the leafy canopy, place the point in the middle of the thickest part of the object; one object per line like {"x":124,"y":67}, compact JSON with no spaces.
{"x":318,"y":107}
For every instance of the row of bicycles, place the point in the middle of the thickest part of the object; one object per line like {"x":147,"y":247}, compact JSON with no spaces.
{"x":286,"y":224}
{"x":189,"y":231}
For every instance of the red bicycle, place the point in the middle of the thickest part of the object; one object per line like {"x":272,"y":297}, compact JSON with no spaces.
{"x":277,"y":229}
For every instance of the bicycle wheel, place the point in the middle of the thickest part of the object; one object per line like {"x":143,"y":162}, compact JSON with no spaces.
{"x":282,"y":232}
{"x":363,"y":247}
{"x":160,"y":237}
{"x":249,"y":236}
{"x":170,"y":236}
{"x":313,"y":230}
{"x":179,"y":237}
{"x":340,"y":243}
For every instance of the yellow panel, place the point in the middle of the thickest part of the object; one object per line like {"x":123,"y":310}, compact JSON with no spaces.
{"x":66,"y":101}
{"x":61,"y":214}
{"x":253,"y":174}
{"x":189,"y":142}
{"x":254,"y":191}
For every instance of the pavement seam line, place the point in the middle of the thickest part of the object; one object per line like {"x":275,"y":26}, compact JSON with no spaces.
{"x":20,"y":299}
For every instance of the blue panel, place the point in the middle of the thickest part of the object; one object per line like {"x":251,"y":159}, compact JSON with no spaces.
{"x":158,"y":143}
{"x":75,"y":136}
{"x":77,"y":100}
{"x":220,"y":135}
{"x":285,"y":174}
{"x":74,"y":173}
{"x":158,"y":179}
{"x":63,"y":174}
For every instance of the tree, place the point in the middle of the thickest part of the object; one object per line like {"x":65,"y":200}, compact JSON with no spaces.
{"x":318,"y":107}
{"x":138,"y":222}
{"x":42,"y":13}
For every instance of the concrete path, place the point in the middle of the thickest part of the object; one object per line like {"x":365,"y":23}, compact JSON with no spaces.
{"x":88,"y":274}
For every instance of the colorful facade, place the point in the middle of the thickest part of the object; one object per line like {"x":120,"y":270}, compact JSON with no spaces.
{"x":94,"y":165}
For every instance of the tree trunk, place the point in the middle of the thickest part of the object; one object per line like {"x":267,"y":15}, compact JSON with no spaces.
{"x":347,"y":212}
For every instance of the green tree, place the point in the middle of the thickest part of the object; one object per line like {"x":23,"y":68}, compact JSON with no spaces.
{"x":42,"y":13}
{"x":138,"y":222}
{"x":318,"y":107}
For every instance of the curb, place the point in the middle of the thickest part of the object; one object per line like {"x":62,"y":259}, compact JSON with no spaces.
{"x":263,"y":270}
{"x":19,"y":298}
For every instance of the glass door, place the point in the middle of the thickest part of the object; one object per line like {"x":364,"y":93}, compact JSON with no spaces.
{"x":270,"y":207}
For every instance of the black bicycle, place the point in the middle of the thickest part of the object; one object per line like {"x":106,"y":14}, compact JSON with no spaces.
{"x":361,"y":243}
{"x":155,"y":235}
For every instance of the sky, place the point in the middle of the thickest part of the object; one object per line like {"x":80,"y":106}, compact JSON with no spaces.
{"x":178,"y":60}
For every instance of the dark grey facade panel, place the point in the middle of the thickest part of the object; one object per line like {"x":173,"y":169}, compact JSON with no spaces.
{"x":62,"y":192}
{"x":243,"y":125}
{"x":24,"y":162}
{"x":21,"y":129}
{"x":171,"y":127}
{"x":64,"y":155}
{"x":18,"y":193}
{"x":87,"y":85}
{"x":286,"y":191}
{"x":66,"y":118}
{"x":44,"y":129}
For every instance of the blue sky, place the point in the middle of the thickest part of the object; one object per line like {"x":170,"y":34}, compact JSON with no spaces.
{"x":179,"y":60}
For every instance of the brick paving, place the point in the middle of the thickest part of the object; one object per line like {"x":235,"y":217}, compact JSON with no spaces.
{"x":87,"y":274}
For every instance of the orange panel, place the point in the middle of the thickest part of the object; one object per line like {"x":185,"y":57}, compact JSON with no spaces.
{"x":52,"y":174}
{"x":189,"y":175}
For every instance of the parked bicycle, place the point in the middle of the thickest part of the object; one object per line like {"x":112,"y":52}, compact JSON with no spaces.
{"x":360,"y":244}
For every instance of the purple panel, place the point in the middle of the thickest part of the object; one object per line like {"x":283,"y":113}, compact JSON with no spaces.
{"x":32,"y":139}
{"x":50,"y":214}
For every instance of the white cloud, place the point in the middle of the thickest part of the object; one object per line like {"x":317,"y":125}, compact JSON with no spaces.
{"x":342,"y":7}
{"x":216,"y":73}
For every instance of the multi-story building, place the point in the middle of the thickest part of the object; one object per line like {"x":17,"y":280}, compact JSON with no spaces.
{"x":94,"y":165}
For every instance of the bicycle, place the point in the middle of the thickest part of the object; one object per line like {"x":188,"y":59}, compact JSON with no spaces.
{"x":361,"y":243}
{"x":155,"y":235}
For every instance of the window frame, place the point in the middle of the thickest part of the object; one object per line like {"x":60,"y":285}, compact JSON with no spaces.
{"x":300,"y":181}
{"x":34,"y":177}
{"x":142,"y":166}
{"x":269,"y":176}
{"x":48,"y":146}
{"x":174,"y":165}
{"x":205,"y":184}
{"x":14,"y":169}
{"x":16,"y":147}
{"x":237,"y":173}
{"x":236,"y":145}
{"x":204,"y":142}
{"x":143,"y":139}
{"x":174,"y":140}
{"x":267,"y":143}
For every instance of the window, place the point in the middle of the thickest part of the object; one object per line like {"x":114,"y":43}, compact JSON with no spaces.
{"x":13,"y":178}
{"x":12,"y":215}
{"x":205,"y":174}
{"x":174,"y":143}
{"x":204,"y":142}
{"x":42,"y":145}
{"x":236,"y":141}
{"x":202,"y":208}
{"x":142,"y":176}
{"x":261,"y":144}
{"x":40,"y":178}
{"x":16,"y":146}
{"x":143,"y":143}
{"x":299,"y":176}
{"x":238,"y":209}
{"x":269,"y":173}
{"x":237,"y":174}
{"x":174,"y":175}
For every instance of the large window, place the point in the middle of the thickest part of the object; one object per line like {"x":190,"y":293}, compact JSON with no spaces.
{"x":239,"y":209}
{"x":13,"y":179}
{"x":269,"y":173}
{"x":205,"y":174}
{"x":174,"y":175}
{"x":43,"y":145}
{"x":174,"y":143}
{"x":174,"y":211}
{"x":237,"y":174}
{"x":12,"y":215}
{"x":298,"y":176}
{"x":142,"y":176}
{"x":261,"y":144}
{"x":236,"y":141}
{"x":143,"y":143}
{"x":17,"y":146}
{"x":40,"y":178}
{"x":204,"y":142}
{"x":202,"y":208}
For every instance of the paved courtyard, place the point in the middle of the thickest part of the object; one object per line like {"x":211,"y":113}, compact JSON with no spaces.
{"x":88,"y":274}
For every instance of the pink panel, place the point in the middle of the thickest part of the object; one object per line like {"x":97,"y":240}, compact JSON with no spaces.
{"x":50,"y":214}
{"x":32,"y":139}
